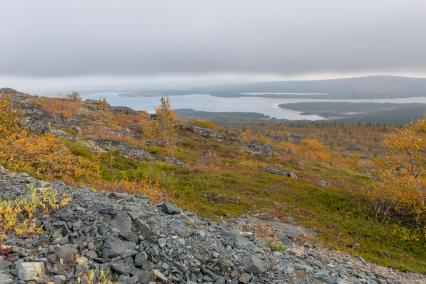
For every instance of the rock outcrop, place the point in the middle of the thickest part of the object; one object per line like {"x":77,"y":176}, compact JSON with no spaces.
{"x":137,"y":242}
{"x":280,"y":172}
{"x":37,"y":120}
{"x":259,"y":148}
{"x":124,"y":149}
{"x":204,"y":132}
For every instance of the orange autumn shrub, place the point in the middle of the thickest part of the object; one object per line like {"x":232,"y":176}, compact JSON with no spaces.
{"x":247,"y":136}
{"x":61,"y":107}
{"x":145,"y":126}
{"x":42,"y":156}
{"x":45,"y":157}
{"x":151,"y":189}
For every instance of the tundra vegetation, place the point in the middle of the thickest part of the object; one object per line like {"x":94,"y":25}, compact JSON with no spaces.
{"x":360,"y":187}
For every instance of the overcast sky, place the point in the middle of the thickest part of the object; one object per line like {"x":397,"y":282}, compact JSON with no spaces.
{"x":200,"y":38}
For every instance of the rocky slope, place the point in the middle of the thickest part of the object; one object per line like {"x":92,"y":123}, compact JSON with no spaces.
{"x":137,"y":242}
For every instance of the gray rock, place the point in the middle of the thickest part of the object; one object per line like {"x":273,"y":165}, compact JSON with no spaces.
{"x":146,"y":277}
{"x":160,"y":275}
{"x":321,"y":273}
{"x":289,"y":269}
{"x":67,"y":253}
{"x":108,"y":209}
{"x":324,"y":183}
{"x":304,"y":267}
{"x":6,"y":279}
{"x":60,"y":279}
{"x":170,"y":208}
{"x":58,"y":133}
{"x":122,"y":221}
{"x":129,"y":236}
{"x":123,"y":110}
{"x":36,"y":119}
{"x":287,"y":241}
{"x":173,"y":161}
{"x":182,"y":248}
{"x":124,"y":149}
{"x":30,"y":271}
{"x":142,"y":262}
{"x":203,"y":132}
{"x":143,"y":229}
{"x":253,"y":264}
{"x":259,"y":148}
{"x":135,"y":214}
{"x":123,"y":267}
{"x":4,"y":264}
{"x":180,"y":228}
{"x":125,"y":280}
{"x":280,"y":172}
{"x":115,"y":247}
{"x":234,"y":239}
{"x":245,"y":278}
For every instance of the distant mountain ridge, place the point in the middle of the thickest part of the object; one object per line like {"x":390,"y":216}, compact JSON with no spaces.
{"x":368,"y":87}
{"x":347,"y":88}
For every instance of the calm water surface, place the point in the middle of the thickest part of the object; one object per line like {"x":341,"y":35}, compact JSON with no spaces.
{"x":205,"y":102}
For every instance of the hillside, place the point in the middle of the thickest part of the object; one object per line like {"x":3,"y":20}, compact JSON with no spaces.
{"x":373,"y":113}
{"x":128,"y":238}
{"x":291,"y":194}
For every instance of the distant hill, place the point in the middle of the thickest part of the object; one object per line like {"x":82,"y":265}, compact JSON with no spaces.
{"x":369,"y":87}
{"x":362,"y":112}
{"x":226,"y":117}
{"x":348,"y":88}
{"x":8,"y":91}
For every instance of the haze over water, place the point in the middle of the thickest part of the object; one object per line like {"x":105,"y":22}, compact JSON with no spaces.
{"x":206,"y":102}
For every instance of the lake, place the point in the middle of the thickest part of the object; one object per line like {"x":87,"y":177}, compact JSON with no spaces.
{"x":250,"y":103}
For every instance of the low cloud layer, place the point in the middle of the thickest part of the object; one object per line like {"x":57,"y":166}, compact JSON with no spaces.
{"x":50,"y":38}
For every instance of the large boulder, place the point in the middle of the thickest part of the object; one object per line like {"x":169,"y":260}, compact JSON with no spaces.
{"x":259,"y":148}
{"x":173,"y":161}
{"x":253,"y":264}
{"x":280,"y":172}
{"x":203,"y":132}
{"x":123,"y":110}
{"x":169,"y":208}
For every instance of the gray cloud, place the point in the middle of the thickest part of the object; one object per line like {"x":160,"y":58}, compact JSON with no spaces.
{"x":48,"y":38}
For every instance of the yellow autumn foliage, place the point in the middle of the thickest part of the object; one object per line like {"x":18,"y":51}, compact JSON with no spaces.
{"x":147,"y":187}
{"x":9,"y":117}
{"x":310,"y":149}
{"x":401,"y":175}
{"x":165,"y":123}
{"x":22,"y":215}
